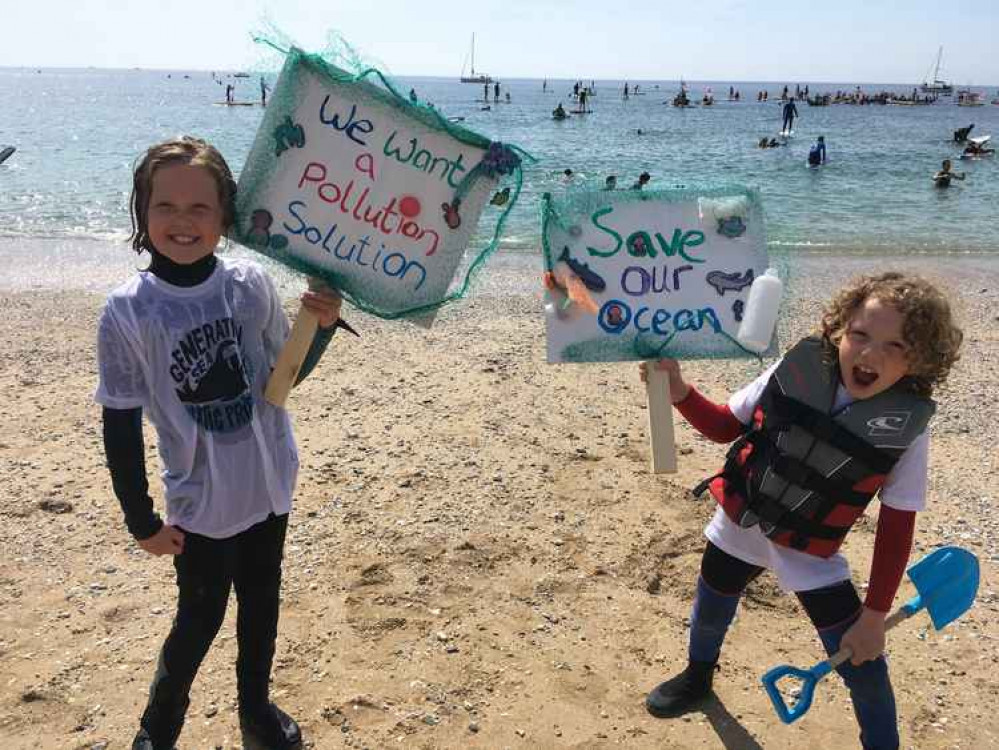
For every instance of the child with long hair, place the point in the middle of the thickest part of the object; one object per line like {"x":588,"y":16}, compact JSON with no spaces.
{"x":190,"y":342}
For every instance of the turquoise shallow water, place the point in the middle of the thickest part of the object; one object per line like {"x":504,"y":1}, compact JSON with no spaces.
{"x":78,"y":132}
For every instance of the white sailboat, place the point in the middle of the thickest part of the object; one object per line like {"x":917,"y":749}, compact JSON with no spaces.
{"x":937,"y":86}
{"x":473,"y":78}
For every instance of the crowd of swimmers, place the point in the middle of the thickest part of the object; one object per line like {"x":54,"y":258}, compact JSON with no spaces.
{"x":972,"y":149}
{"x":610,"y":183}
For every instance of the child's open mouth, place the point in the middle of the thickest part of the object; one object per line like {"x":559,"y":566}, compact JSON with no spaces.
{"x":864,"y":377}
{"x":183,"y":239}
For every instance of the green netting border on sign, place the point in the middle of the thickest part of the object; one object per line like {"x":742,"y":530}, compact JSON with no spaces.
{"x":284,"y":99}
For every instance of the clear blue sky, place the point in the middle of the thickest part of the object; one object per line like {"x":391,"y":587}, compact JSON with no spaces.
{"x":775,"y":40}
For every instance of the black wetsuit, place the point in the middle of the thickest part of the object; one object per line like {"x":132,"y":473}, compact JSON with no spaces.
{"x":790,"y":112}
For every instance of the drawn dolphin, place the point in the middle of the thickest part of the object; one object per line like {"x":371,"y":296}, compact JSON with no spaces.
{"x":591,"y":280}
{"x":723,"y":282}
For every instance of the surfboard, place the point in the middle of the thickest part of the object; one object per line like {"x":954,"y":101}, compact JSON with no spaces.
{"x":6,"y":153}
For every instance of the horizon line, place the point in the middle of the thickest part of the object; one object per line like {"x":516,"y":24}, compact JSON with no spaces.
{"x":495,"y":79}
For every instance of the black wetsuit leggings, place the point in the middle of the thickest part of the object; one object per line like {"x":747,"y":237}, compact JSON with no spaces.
{"x":832,"y":610}
{"x":826,"y":607}
{"x":207,"y":570}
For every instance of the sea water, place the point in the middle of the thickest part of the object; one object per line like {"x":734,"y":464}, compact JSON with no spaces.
{"x":64,"y":194}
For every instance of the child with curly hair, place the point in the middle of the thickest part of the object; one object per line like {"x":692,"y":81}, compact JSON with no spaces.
{"x":842,"y":417}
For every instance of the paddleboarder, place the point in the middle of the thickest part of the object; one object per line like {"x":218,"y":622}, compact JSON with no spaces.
{"x":790,"y":112}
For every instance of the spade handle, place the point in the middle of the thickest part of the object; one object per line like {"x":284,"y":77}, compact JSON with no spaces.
{"x":899,"y":615}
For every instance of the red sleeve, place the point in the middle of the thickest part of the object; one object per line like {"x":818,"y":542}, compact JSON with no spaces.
{"x":714,"y":421}
{"x":892,"y":545}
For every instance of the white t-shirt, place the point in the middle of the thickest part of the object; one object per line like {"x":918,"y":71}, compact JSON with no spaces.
{"x":196,"y":360}
{"x":904,"y":489}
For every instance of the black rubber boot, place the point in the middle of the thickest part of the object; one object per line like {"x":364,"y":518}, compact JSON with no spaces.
{"x":162,"y":721}
{"x":143,"y":741}
{"x":269,"y":729}
{"x":683,"y":693}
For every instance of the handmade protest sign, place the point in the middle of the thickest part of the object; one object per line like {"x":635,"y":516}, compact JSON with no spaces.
{"x":350,"y":182}
{"x":642,"y":275}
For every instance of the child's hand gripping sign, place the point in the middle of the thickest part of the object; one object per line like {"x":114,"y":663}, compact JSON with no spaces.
{"x":645,"y":275}
{"x":350,"y":182}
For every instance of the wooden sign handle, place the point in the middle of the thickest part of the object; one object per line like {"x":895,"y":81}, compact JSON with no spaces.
{"x":660,"y":421}
{"x":290,"y":359}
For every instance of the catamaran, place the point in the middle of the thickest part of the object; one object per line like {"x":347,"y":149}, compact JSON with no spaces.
{"x":481,"y":77}
{"x":937,"y":86}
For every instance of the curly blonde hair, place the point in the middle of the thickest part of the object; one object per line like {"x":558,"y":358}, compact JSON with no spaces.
{"x":934,"y":340}
{"x":185,"y":150}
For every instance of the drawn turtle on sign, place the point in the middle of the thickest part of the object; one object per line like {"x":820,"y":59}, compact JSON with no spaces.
{"x":732,"y":227}
{"x":288,"y":134}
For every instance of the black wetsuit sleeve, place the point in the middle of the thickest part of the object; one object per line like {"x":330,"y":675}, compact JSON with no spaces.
{"x":126,"y":457}
{"x":316,"y":350}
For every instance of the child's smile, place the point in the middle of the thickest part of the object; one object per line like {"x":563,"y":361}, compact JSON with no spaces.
{"x":873,"y":355}
{"x":185,"y":215}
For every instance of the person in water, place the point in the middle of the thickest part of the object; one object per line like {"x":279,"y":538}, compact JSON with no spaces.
{"x":790,"y":112}
{"x":643,"y":180}
{"x":976,"y":149}
{"x":412,"y":96}
{"x":610,"y":183}
{"x":945,"y":175}
{"x":559,"y":112}
{"x":817,"y":153}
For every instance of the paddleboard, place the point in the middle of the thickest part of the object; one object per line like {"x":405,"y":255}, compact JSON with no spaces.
{"x":6,"y":153}
{"x":580,"y":111}
{"x":236,"y":104}
{"x":786,"y":133}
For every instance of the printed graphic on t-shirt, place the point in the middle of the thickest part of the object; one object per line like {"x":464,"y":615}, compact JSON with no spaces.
{"x":212,"y":376}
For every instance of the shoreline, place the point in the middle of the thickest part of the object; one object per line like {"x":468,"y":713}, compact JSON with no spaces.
{"x":98,"y":265}
{"x":478,"y":556}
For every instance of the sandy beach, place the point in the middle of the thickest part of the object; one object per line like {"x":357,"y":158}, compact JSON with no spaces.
{"x":479,"y":556}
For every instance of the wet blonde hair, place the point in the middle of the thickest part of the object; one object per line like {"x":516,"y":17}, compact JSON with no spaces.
{"x":186,"y":150}
{"x":928,"y":327}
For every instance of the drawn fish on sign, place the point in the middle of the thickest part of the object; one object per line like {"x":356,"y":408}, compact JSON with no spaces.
{"x":590,"y":278}
{"x":729,"y":282}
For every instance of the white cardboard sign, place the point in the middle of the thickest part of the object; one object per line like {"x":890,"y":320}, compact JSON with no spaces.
{"x":345,"y":179}
{"x":668,"y":272}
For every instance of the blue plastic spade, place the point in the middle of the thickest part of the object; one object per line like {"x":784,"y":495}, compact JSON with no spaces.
{"x":947,"y":581}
